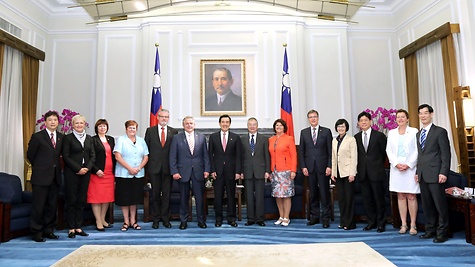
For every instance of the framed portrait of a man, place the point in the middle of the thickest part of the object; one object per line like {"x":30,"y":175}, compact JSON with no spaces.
{"x":223,"y":87}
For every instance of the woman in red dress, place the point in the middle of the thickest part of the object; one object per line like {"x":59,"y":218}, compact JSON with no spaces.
{"x":101,"y":187}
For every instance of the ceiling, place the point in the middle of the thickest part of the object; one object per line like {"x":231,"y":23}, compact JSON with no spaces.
{"x":111,"y":10}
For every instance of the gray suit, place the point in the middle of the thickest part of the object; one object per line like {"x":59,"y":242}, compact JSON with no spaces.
{"x":254,"y":168}
{"x":191,"y":168}
{"x":433,"y":160}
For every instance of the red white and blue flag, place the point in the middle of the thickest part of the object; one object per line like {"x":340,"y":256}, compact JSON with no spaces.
{"x":286,"y":100}
{"x":156,"y":103}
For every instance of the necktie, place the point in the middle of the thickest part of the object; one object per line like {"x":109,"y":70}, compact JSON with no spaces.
{"x":224,"y":141}
{"x":162,"y":137}
{"x":253,"y":145}
{"x":191,"y":143}
{"x":52,"y":140}
{"x":220,"y":101}
{"x":423,"y":138}
{"x":314,"y":136}
{"x":365,"y":142}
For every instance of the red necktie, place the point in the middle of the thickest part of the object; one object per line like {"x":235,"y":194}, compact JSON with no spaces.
{"x":52,"y":140}
{"x":162,"y":137}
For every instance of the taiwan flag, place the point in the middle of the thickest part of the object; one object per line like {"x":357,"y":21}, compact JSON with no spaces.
{"x":156,"y":103}
{"x":286,"y":100}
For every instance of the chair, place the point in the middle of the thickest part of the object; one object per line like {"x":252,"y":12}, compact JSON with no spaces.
{"x":15,"y":208}
{"x":174,"y":203}
{"x":472,"y":221}
{"x":299,"y":200}
{"x":360,"y":212}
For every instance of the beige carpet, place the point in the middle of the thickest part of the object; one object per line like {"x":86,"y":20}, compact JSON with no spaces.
{"x":329,"y":254}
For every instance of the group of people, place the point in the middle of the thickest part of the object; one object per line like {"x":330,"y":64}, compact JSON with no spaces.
{"x":99,"y":171}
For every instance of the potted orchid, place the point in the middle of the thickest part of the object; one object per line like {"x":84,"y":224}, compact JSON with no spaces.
{"x":65,"y":120}
{"x":383,"y":119}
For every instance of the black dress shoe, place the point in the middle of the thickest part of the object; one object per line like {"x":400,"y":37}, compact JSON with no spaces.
{"x":71,"y":235}
{"x":167,"y":225}
{"x":261,"y":223}
{"x":183,"y":226}
{"x":218,"y":224}
{"x":248,"y":223}
{"x":326,"y":225}
{"x":233,"y":224}
{"x":440,"y":239}
{"x":155,"y":225}
{"x":381,"y":229}
{"x":51,"y":236}
{"x":312,"y":222}
{"x":202,"y":225}
{"x":427,"y":235}
{"x":101,"y":229}
{"x":82,"y":233}
{"x":38,"y":237}
{"x":369,"y":227}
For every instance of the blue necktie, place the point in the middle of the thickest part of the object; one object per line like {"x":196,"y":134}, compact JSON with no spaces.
{"x":423,"y":138}
{"x":253,"y":145}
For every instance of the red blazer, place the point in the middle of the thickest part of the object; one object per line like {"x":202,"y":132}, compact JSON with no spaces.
{"x":284,"y":156}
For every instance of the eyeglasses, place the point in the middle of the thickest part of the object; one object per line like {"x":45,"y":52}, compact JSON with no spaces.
{"x":163,"y":116}
{"x":313,"y":117}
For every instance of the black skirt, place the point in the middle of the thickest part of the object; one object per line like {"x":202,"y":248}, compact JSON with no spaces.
{"x":128,"y":191}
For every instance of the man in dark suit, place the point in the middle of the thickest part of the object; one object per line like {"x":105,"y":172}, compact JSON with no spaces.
{"x":225,"y":157}
{"x":224,"y":99}
{"x":371,"y":146}
{"x":189,"y":162}
{"x":315,"y":160}
{"x":433,"y":167}
{"x":256,"y":168}
{"x":158,"y":139}
{"x":44,"y":150}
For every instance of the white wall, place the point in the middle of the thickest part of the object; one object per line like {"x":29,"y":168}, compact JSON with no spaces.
{"x":105,"y":71}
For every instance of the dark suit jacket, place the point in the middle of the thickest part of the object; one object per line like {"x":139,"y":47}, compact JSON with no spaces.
{"x":319,"y":153}
{"x":44,"y":158}
{"x":158,"y":159}
{"x":74,"y":153}
{"x":100,"y":152}
{"x":227,"y":162}
{"x":434,"y":159}
{"x":258,"y":164}
{"x":371,"y":162}
{"x":183,"y":162}
{"x":231,"y":103}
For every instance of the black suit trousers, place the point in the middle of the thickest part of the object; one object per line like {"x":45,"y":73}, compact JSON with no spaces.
{"x":346,"y":201}
{"x":198,"y":189}
{"x":44,"y":208}
{"x":76,"y":196}
{"x":319,"y":185}
{"x":374,"y":201}
{"x":255,"y":199}
{"x":434,"y":204}
{"x":161,"y":190}
{"x":229,"y":184}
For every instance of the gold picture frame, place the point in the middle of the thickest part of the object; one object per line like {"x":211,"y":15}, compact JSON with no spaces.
{"x":219,"y":94}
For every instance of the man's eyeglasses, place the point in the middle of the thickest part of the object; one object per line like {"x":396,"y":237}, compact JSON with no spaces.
{"x":163,"y":116}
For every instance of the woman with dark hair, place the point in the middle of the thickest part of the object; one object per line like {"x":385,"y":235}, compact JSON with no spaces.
{"x":344,"y":162}
{"x":131,"y":153}
{"x":402,"y":154}
{"x":283,"y":157}
{"x":101,"y":187}
{"x":79,"y":157}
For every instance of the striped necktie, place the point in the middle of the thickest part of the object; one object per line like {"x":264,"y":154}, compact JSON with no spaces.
{"x":423,"y":138}
{"x":314,"y":136}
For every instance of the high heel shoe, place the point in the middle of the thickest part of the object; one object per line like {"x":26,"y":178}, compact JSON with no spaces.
{"x":101,"y":229}
{"x":279,"y":221}
{"x":285,"y":222}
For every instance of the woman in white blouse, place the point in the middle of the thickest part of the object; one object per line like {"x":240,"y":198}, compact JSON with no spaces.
{"x":402,"y":153}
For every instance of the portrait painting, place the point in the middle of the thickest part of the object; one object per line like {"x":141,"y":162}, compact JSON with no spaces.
{"x":223,"y":87}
